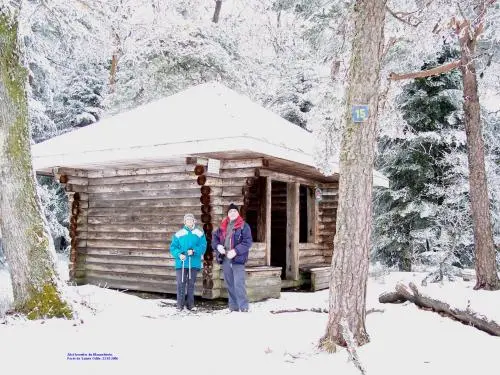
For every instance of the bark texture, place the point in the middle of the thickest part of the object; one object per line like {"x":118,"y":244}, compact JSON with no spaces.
{"x":485,"y":258}
{"x":354,"y":217}
{"x":26,"y":240}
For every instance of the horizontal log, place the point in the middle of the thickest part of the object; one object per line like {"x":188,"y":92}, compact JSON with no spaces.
{"x":124,"y":244}
{"x":150,"y":268}
{"x":232,"y":191}
{"x":182,"y":167}
{"x":310,"y":260}
{"x":150,"y":211}
{"x":70,"y":188}
{"x":143,"y":186}
{"x":239,"y":164}
{"x":284,"y":177}
{"x":73,"y":180}
{"x":310,"y":252}
{"x":130,"y":252}
{"x":138,"y":285}
{"x":148,"y":194}
{"x":239,"y":173}
{"x":254,"y":254}
{"x":130,"y":220}
{"x":310,"y":246}
{"x":133,"y":228}
{"x":256,"y":262}
{"x":166,"y":177}
{"x":170,"y":202}
{"x":134,"y":236}
{"x":258,"y":246}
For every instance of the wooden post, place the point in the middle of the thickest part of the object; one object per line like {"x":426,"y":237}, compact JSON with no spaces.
{"x":292,"y":231}
{"x":268,"y":220}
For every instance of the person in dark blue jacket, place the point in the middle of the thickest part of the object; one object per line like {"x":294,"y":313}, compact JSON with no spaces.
{"x":231,"y":243}
{"x":187,"y":248}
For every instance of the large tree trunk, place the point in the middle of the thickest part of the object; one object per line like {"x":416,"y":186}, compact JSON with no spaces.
{"x":27,"y":244}
{"x":486,"y":272}
{"x":354,"y":216}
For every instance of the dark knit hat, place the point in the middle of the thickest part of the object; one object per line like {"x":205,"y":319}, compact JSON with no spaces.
{"x":232,"y":206}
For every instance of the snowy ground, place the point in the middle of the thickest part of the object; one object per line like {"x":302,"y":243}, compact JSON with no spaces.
{"x":142,"y":334}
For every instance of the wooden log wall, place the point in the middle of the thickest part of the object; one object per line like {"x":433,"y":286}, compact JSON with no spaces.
{"x":125,"y":220}
{"x":327,"y":217}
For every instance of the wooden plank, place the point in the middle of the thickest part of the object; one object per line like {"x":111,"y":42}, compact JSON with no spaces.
{"x":71,"y":172}
{"x":180,"y":176}
{"x":231,"y":191}
{"x":310,"y":246}
{"x":310,"y":260}
{"x":148,"y":194}
{"x":129,"y":220}
{"x":133,"y":236}
{"x":131,"y":252}
{"x":132,"y":228}
{"x":169,"y":202}
{"x":182,"y":167}
{"x":239,"y":173}
{"x":310,"y":253}
{"x":238,"y":164}
{"x":268,"y":220}
{"x":144,"y":186}
{"x":292,"y":240}
{"x":284,"y":177}
{"x":123,"y":244}
{"x":150,"y":211}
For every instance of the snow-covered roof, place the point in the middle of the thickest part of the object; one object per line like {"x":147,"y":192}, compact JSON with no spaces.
{"x":207,"y":118}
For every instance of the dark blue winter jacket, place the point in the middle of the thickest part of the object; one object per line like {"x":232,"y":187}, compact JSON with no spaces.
{"x":241,"y":240}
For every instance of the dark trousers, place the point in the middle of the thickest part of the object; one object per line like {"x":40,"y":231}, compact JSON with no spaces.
{"x":183,"y":298}
{"x":235,"y":277}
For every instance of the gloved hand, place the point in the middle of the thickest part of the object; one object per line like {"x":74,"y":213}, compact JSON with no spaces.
{"x":182,"y":257}
{"x":231,"y":254}
{"x":221,"y":249}
{"x":190,"y":252}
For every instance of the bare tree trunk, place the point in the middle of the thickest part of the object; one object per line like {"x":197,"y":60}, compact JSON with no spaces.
{"x":218,"y":6}
{"x":27,"y":243}
{"x":485,"y":260}
{"x":354,"y":216}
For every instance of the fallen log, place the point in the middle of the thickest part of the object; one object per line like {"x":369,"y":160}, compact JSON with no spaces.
{"x":467,"y":316}
{"x":316,"y":310}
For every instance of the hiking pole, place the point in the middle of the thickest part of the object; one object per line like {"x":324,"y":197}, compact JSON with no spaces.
{"x":189,"y":266}
{"x":182,"y":276}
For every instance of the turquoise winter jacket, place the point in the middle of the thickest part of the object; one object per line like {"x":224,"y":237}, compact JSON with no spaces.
{"x":184,"y":240}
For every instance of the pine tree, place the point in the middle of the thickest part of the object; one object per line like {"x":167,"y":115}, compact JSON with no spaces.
{"x":412,"y":217}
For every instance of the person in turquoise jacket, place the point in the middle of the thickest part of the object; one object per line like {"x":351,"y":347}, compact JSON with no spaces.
{"x":187,"y":248}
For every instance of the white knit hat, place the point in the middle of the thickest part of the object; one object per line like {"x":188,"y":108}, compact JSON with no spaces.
{"x":189,"y":216}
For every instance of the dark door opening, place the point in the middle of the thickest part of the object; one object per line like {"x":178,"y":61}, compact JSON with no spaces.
{"x":303,"y":223}
{"x":278,"y":225}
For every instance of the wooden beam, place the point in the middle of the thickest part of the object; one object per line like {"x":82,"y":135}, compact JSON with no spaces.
{"x":238,"y":164}
{"x":292,"y":232}
{"x":268,"y":221}
{"x":284,"y":177}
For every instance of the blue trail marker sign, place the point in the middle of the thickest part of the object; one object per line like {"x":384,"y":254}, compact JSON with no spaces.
{"x":360,"y":112}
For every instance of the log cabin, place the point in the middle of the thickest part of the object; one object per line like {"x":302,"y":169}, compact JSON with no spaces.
{"x":131,"y":177}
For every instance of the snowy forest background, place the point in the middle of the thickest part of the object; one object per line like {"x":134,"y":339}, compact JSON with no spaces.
{"x":89,"y":59}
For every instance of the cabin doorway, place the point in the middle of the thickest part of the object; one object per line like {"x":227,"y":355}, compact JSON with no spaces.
{"x":279,"y":226}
